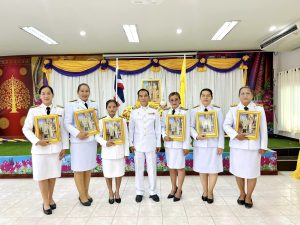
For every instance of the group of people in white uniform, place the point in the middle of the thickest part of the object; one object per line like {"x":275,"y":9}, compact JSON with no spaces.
{"x":143,"y":139}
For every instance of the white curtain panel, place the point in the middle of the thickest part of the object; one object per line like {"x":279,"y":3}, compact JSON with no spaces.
{"x":225,"y":86}
{"x":288,"y":101}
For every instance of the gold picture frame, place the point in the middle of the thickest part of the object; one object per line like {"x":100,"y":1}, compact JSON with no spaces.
{"x":248,"y":123}
{"x":154,"y":88}
{"x":175,"y":127}
{"x":47,"y":128}
{"x":86,"y":120}
{"x":113,"y":129}
{"x":207,"y":124}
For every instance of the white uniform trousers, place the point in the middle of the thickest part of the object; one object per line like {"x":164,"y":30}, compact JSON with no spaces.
{"x":139,"y":161}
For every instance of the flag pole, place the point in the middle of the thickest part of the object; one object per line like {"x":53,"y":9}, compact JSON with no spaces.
{"x":116,"y":78}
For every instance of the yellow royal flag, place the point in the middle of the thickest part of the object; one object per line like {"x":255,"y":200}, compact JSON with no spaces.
{"x":182,"y":88}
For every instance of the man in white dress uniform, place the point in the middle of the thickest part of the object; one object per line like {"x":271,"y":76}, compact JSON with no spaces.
{"x":145,"y":141}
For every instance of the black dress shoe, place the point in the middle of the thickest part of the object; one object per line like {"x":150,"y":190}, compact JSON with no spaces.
{"x":172,"y":195}
{"x":210,"y":200}
{"x":47,"y":211}
{"x":139,"y":198}
{"x":248,"y":205}
{"x":240,"y":201}
{"x":90,"y":200}
{"x":175,"y":199}
{"x":154,"y":198}
{"x":53,"y":206}
{"x":118,"y":200}
{"x":84,"y":203}
{"x":111,"y":201}
{"x":204,"y":198}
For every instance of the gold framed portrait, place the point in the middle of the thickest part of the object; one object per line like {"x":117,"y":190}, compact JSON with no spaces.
{"x":86,"y":120}
{"x":175,"y":127}
{"x":47,"y":128}
{"x":113,"y":130}
{"x":248,"y":122}
{"x":154,"y":88}
{"x":207,"y":124}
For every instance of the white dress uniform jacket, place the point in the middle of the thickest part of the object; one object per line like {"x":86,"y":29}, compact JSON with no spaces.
{"x":70,"y":123}
{"x":230,"y":125}
{"x":209,"y":142}
{"x":176,"y":144}
{"x":117,"y":151}
{"x":28,"y":130}
{"x":144,"y":129}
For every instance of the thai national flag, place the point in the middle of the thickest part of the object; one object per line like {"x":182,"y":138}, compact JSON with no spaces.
{"x":118,"y":84}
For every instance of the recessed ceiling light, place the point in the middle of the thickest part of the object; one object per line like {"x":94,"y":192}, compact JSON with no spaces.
{"x":272,"y":28}
{"x":178,"y":31}
{"x":131,"y":33}
{"x":38,"y":34}
{"x":224,"y":30}
{"x":82,"y":33}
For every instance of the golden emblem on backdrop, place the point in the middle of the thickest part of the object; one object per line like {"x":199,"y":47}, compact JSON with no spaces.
{"x":1,"y":72}
{"x":4,"y":123}
{"x":23,"y":71}
{"x":15,"y":95}
{"x":22,"y":120}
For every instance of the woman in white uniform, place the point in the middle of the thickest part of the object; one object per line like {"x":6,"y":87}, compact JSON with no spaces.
{"x":46,"y":157}
{"x":245,"y":154}
{"x":207,"y":153}
{"x":176,"y":150}
{"x":83,"y":147}
{"x":113,"y":155}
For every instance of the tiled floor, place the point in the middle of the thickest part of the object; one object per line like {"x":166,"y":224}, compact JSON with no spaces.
{"x":276,"y":199}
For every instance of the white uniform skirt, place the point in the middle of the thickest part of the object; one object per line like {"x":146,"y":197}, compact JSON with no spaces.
{"x":113,"y":167}
{"x":83,"y":156}
{"x":175,"y":158}
{"x":245,"y":163}
{"x":46,"y":166}
{"x":206,"y":160}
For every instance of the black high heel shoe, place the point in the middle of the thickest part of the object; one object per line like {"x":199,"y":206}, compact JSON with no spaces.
{"x":84,"y":203}
{"x":47,"y":211}
{"x":249,"y":205}
{"x":53,"y":206}
{"x":204,"y":198}
{"x":90,"y":200}
{"x":175,"y":199}
{"x":240,"y":201}
{"x":172,"y":196}
{"x":210,"y":200}
{"x":111,"y":201}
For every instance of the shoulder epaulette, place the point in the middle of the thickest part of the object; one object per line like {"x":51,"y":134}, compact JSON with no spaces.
{"x":233,"y":105}
{"x":167,"y":108}
{"x":102,"y":117}
{"x":196,"y":106}
{"x":135,"y":107}
{"x":34,"y":106}
{"x":59,"y":106}
{"x":260,"y":104}
{"x":185,"y":109}
{"x":73,"y":100}
{"x":92,"y":100}
{"x":216,"y":106}
{"x":152,"y":107}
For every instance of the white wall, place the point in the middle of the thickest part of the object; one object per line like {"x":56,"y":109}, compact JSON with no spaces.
{"x":281,"y":62}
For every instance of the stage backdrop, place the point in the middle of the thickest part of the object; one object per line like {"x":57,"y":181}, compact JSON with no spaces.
{"x":15,"y":94}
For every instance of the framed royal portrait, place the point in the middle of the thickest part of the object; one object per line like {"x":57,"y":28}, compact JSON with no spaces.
{"x":154,"y":88}
{"x":247,"y":123}
{"x":113,"y":130}
{"x":86,"y":120}
{"x":175,"y":127}
{"x":47,"y":128}
{"x":207,"y":124}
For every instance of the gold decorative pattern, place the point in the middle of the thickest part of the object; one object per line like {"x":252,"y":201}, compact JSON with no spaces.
{"x":1,"y":72}
{"x":15,"y":95}
{"x":22,"y":120}
{"x":4,"y":123}
{"x":23,"y":71}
